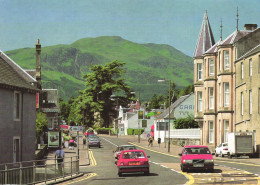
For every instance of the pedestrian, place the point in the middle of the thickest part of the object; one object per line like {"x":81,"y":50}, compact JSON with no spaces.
{"x":84,"y":140}
{"x":59,"y":156}
{"x":71,"y":144}
{"x":150,"y":141}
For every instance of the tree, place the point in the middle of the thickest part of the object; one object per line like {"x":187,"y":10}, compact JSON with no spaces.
{"x":41,"y":125}
{"x":187,"y":122}
{"x":101,"y":83}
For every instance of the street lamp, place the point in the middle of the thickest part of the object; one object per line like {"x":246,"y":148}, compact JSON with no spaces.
{"x":169,"y":142}
{"x":116,"y":120}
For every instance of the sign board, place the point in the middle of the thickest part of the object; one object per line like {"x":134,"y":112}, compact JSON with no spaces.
{"x":76,"y":128}
{"x":53,"y":139}
{"x":162,"y":126}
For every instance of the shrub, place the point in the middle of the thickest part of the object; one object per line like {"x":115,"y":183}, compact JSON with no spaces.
{"x":102,"y":130}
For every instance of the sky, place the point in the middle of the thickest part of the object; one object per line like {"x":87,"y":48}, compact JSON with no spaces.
{"x":173,"y":22}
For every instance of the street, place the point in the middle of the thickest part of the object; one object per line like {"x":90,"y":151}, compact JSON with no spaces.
{"x":164,"y":168}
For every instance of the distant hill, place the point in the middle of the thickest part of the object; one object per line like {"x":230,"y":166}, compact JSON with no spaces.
{"x":64,"y":65}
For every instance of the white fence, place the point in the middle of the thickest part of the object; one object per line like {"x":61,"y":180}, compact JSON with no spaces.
{"x":193,"y":133}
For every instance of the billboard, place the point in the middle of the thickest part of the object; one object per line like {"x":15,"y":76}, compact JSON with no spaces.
{"x":144,"y":123}
{"x":53,"y":138}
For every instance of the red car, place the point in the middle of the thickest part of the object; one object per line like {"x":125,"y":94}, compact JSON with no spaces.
{"x":89,"y":132}
{"x":131,"y":161}
{"x":196,"y":157}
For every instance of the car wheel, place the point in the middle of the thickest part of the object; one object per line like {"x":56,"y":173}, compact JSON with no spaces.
{"x":99,"y":146}
{"x":216,"y":154}
{"x":222,"y":155}
{"x":229,"y":156}
{"x":88,"y":146}
{"x":119,"y":174}
{"x":183,"y":169}
{"x":212,"y":170}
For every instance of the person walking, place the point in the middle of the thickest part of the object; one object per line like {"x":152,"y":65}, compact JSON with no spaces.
{"x":150,"y":141}
{"x":59,"y":156}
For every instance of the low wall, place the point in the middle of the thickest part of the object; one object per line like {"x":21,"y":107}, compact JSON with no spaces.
{"x":184,"y":141}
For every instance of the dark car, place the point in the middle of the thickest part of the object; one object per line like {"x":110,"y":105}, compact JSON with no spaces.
{"x":93,"y":142}
{"x":196,"y":157}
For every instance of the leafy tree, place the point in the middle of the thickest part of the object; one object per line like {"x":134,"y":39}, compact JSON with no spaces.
{"x":101,"y":83}
{"x":65,"y":107}
{"x":41,"y":125}
{"x":187,"y":122}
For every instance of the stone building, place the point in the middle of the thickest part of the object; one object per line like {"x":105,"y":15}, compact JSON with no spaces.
{"x":214,"y":82}
{"x":17,"y":112}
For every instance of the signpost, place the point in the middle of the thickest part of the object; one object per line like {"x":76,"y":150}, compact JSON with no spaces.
{"x":77,"y":129}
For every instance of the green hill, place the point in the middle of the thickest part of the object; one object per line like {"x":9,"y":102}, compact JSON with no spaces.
{"x":64,"y":65}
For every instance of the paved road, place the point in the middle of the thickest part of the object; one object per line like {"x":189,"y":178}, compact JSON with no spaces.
{"x":164,"y":168}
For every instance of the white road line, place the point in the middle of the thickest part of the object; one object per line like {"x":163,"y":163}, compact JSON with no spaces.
{"x":109,"y":141}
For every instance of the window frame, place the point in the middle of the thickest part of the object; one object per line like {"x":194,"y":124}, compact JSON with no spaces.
{"x":226,"y":94}
{"x":211,"y":67}
{"x":200,"y":71}
{"x":220,"y":61}
{"x":242,"y":103}
{"x":211,"y":98}
{"x":226,"y":60}
{"x":242,"y":70}
{"x":226,"y":129}
{"x":199,"y":101}
{"x":250,"y":102}
{"x":211,"y":131}
{"x":17,"y":109}
{"x":250,"y":67}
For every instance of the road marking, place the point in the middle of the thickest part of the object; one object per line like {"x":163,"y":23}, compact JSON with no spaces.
{"x":90,"y":175}
{"x":248,"y":164}
{"x":109,"y":142}
{"x":92,"y":158}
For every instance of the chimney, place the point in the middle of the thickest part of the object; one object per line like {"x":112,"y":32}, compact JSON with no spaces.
{"x":38,"y":62}
{"x":250,"y":27}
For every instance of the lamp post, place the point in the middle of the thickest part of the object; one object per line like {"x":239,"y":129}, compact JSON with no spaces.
{"x":169,"y":142}
{"x":117,"y":111}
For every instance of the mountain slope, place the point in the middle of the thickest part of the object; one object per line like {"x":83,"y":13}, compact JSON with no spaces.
{"x":64,"y":65}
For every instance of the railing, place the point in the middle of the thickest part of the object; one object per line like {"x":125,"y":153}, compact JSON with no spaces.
{"x":31,"y":172}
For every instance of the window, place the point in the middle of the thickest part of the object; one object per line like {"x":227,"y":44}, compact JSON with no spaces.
{"x":241,"y":103}
{"x":17,"y":105}
{"x":242,"y":70}
{"x":226,"y":94}
{"x":226,"y":130}
{"x":250,"y":101}
{"x":199,"y":66}
{"x":211,"y":132}
{"x":250,"y":67}
{"x":259,"y":64}
{"x":199,"y":103}
{"x":220,"y":61}
{"x":211,"y":67}
{"x":226,"y":59}
{"x":205,"y":65}
{"x":219,"y":94}
{"x":16,"y":149}
{"x":211,"y":98}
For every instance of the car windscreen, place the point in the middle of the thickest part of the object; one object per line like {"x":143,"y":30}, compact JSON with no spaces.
{"x":197,"y":150}
{"x":133,"y":155}
{"x":225,"y":144}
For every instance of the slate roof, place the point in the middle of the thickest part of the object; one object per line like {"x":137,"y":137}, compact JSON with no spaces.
{"x":235,"y":36}
{"x":12,"y":75}
{"x":205,"y":38}
{"x":165,"y":113}
{"x":252,"y":51}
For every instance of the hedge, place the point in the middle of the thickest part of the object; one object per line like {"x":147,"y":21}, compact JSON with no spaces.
{"x":103,"y":130}
{"x":131,"y":131}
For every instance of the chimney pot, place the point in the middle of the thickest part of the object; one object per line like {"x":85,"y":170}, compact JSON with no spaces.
{"x":250,"y":27}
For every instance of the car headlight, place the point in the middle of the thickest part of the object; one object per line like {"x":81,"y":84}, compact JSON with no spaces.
{"x":209,"y":161}
{"x":187,"y":161}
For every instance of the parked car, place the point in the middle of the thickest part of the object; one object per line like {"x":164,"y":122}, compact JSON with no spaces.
{"x":222,"y":150}
{"x":93,"y":136}
{"x":131,"y":161}
{"x":89,"y":132}
{"x":93,"y":141}
{"x":196,"y":157}
{"x":120,"y":148}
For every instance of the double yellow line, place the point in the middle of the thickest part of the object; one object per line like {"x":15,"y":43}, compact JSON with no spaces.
{"x":92,"y":158}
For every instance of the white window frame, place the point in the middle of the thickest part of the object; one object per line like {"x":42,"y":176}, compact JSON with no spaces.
{"x":250,"y":67}
{"x":211,"y":131}
{"x":211,"y":67}
{"x":250,"y":102}
{"x":199,"y":101}
{"x":211,"y":98}
{"x":226,"y":130}
{"x":200,"y":71}
{"x":242,"y":70}
{"x":17,"y":106}
{"x":226,"y":94}
{"x":226,"y":60}
{"x":242,"y":103}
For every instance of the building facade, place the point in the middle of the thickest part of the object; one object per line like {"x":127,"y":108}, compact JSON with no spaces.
{"x":17,"y":112}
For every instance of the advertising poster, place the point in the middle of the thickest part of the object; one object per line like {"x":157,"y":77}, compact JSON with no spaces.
{"x":53,"y":139}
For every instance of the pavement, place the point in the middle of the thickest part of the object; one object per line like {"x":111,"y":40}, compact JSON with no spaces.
{"x":84,"y":154}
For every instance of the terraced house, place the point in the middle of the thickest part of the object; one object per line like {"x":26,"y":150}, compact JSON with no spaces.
{"x":216,"y":83}
{"x":17,"y":112}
